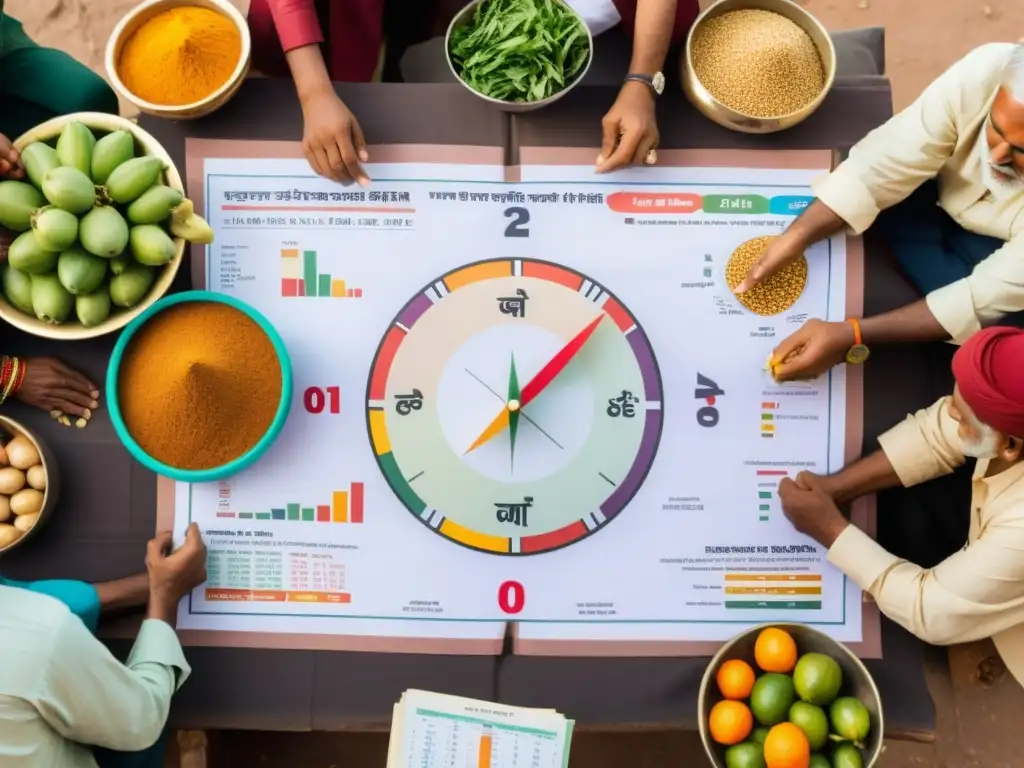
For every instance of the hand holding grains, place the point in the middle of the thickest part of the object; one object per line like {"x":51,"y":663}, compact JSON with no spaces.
{"x":757,"y":62}
{"x":774,"y":295}
{"x":199,"y":385}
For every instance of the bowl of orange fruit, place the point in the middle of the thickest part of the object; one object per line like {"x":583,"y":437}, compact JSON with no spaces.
{"x":789,"y":696}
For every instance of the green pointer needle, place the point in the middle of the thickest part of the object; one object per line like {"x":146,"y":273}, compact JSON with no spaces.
{"x":513,"y":408}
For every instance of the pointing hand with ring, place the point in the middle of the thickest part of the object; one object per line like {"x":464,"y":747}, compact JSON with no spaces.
{"x":630,"y":130}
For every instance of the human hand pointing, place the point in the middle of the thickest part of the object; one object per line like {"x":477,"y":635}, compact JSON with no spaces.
{"x":811,"y":350}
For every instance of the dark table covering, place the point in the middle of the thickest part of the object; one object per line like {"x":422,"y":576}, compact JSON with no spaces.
{"x":107,"y":513}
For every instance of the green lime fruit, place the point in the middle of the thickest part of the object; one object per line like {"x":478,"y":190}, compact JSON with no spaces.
{"x":812,"y":721}
{"x":759,"y":734}
{"x":817,"y":679}
{"x":847,"y":756}
{"x":772,"y":696}
{"x":819,"y":761}
{"x":749,"y":754}
{"x":850,"y":719}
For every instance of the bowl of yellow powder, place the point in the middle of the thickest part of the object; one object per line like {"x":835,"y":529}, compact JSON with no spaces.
{"x":179,"y":59}
{"x":757,"y":66}
{"x":199,"y":386}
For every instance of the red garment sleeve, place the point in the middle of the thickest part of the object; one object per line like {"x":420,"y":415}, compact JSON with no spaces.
{"x":296,"y":22}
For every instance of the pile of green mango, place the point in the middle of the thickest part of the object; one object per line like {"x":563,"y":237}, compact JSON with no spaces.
{"x":94,"y":225}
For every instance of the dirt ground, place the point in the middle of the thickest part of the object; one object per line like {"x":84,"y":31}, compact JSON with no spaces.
{"x":976,"y":715}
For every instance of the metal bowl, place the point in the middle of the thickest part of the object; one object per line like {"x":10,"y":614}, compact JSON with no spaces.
{"x":143,"y":13}
{"x":857,"y":681}
{"x":145,"y":144}
{"x":463,"y":17}
{"x":715,"y":110}
{"x":11,"y":428}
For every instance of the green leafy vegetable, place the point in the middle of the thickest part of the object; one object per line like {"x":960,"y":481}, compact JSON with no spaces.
{"x":520,"y":50}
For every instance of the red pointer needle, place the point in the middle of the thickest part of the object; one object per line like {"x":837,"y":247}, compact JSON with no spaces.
{"x":538,"y":383}
{"x":557,"y":364}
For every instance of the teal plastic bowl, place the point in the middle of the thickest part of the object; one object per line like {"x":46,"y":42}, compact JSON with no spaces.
{"x":246,"y":459}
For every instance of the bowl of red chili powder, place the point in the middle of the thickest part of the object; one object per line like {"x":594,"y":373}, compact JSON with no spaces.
{"x":199,"y":386}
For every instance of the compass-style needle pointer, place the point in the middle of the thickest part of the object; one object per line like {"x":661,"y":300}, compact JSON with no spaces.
{"x":538,"y":383}
{"x":512,"y":406}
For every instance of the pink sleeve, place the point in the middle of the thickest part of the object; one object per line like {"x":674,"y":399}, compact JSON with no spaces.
{"x":296,"y":22}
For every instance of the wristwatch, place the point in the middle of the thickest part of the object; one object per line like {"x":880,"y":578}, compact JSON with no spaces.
{"x":655,"y":82}
{"x":859,"y":352}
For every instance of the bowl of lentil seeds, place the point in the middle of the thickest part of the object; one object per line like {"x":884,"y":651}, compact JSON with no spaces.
{"x":775,"y":294}
{"x":757,"y":66}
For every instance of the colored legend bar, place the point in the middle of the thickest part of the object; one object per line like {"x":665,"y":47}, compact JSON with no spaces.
{"x":735,"y":204}
{"x":301,"y":277}
{"x":217,"y":594}
{"x":775,"y":605}
{"x":777,"y":591}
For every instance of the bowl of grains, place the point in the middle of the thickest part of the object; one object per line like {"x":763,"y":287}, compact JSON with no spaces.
{"x":773,"y":295}
{"x":199,"y":386}
{"x":179,"y":59}
{"x":757,"y":66}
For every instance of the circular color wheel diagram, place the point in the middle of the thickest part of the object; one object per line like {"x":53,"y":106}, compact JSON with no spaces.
{"x":514,"y":406}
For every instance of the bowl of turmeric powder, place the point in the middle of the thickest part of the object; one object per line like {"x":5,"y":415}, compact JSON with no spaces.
{"x":179,"y":59}
{"x":199,"y":386}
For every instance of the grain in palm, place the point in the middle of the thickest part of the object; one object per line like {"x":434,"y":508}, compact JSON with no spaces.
{"x":757,"y":62}
{"x":774,"y":295}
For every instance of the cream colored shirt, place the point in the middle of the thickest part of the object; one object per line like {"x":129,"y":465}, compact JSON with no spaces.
{"x":936,"y":136}
{"x":975,"y":593}
{"x":60,"y":688}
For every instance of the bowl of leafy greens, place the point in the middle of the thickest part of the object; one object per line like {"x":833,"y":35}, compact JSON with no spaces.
{"x":519,"y":54}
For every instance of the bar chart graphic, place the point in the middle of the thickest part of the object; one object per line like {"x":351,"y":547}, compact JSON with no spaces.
{"x":767,"y":488}
{"x":300,"y":277}
{"x":768,"y":419}
{"x":345,"y":507}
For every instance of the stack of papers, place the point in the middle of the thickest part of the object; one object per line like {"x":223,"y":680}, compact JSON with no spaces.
{"x":434,"y":730}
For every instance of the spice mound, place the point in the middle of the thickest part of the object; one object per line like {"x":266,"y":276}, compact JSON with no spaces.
{"x":757,"y":62}
{"x":773,"y":295}
{"x":199,"y":385}
{"x":180,"y":56}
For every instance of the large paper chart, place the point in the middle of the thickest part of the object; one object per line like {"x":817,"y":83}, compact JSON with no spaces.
{"x":526,"y":402}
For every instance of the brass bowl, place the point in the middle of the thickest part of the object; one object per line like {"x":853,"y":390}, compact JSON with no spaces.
{"x":145,"y":144}
{"x":715,"y":110}
{"x":11,"y":428}
{"x":463,"y":17}
{"x":857,"y":681}
{"x":143,"y":13}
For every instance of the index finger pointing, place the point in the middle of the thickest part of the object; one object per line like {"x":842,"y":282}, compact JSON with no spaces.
{"x":767,"y":265}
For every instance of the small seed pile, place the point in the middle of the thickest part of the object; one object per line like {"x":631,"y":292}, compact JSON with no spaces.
{"x":757,"y":62}
{"x":773,"y":295}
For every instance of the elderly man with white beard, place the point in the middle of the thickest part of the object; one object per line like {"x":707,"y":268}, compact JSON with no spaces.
{"x":957,"y":591}
{"x":945,"y":180}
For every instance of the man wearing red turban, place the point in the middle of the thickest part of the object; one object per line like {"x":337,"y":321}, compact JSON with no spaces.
{"x":977,"y":590}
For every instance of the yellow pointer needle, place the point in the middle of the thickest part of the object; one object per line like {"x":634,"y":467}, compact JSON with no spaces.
{"x":500,"y":423}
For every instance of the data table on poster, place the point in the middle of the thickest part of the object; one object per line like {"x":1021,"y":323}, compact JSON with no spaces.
{"x":530,"y":401}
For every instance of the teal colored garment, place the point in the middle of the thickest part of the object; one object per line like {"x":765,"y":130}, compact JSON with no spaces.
{"x":80,"y":597}
{"x":82,"y":600}
{"x":38,"y":84}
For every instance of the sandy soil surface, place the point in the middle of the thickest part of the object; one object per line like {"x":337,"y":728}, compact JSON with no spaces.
{"x":924,"y":36}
